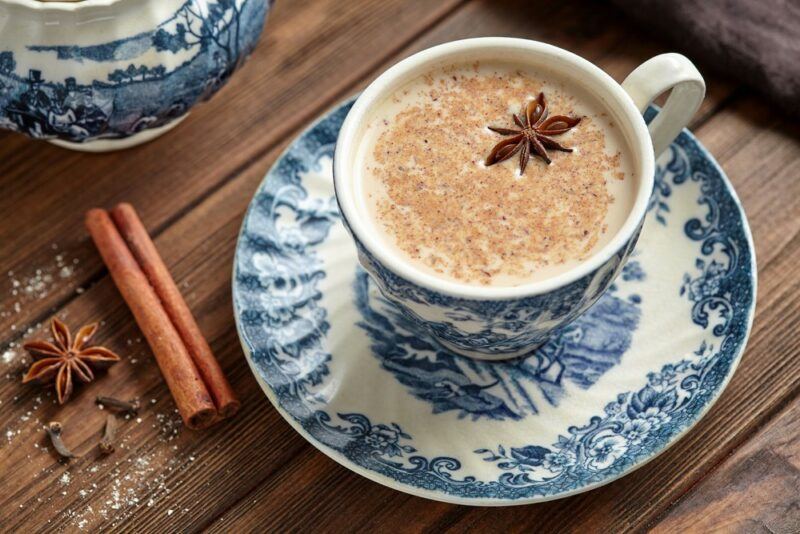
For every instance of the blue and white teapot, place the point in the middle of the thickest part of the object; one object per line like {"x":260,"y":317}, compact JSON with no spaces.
{"x":100,"y":75}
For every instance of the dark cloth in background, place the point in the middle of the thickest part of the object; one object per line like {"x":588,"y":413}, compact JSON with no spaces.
{"x":754,"y":41}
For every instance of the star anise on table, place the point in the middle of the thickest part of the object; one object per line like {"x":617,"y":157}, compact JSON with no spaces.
{"x":66,"y":357}
{"x":533,"y":136}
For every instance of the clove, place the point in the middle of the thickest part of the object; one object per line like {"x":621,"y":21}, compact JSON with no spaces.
{"x":54,"y":431}
{"x":118,"y":405}
{"x":107,"y":442}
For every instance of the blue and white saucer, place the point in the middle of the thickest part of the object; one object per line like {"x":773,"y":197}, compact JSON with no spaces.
{"x":610,"y":392}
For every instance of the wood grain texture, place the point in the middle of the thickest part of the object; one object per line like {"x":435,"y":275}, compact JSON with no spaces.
{"x":308,"y":57}
{"x":757,"y":489}
{"x":254,"y":472}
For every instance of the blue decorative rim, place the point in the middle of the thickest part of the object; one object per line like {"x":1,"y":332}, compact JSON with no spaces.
{"x":632,"y":430}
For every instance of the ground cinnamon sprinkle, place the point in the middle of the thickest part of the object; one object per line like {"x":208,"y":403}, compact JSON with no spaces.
{"x":444,"y":208}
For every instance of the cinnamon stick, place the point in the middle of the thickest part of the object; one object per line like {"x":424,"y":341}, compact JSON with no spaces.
{"x":146,"y":254}
{"x":182,"y":377}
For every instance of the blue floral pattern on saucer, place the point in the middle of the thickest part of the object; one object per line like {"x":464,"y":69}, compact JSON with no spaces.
{"x":612,"y":390}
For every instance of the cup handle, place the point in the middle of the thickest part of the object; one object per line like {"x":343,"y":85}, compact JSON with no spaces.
{"x":660,"y":74}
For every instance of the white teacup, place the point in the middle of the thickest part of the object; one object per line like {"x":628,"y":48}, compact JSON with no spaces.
{"x":502,"y":322}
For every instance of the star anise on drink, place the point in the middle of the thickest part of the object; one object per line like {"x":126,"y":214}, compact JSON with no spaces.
{"x":66,"y":357}
{"x":533,"y":136}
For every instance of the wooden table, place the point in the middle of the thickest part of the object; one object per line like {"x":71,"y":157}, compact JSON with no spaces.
{"x":738,"y":469}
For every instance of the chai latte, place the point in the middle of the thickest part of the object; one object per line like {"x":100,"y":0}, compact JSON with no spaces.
{"x":423,"y":175}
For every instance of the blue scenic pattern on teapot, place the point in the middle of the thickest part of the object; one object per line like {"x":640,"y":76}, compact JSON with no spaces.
{"x":133,"y":94}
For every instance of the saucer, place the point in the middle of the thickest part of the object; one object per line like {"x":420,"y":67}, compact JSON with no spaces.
{"x":604,"y":396}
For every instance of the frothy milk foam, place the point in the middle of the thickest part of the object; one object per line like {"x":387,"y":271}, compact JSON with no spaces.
{"x":424,"y":183}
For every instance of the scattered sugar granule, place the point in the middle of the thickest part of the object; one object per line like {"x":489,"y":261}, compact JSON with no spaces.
{"x":9,"y":356}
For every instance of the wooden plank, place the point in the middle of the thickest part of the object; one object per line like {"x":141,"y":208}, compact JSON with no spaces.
{"x":309,"y":53}
{"x":202,"y":472}
{"x":288,"y":495}
{"x":764,"y":473}
{"x":403,"y":507}
{"x":39,"y":495}
{"x":257,"y":457}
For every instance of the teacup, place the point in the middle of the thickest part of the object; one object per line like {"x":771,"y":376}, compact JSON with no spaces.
{"x":494,"y":323}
